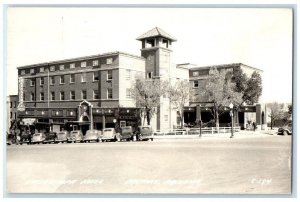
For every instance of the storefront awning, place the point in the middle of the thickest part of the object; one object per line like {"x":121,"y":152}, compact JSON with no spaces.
{"x":79,"y":122}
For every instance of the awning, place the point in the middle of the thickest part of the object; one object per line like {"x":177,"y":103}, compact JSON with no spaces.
{"x":79,"y":122}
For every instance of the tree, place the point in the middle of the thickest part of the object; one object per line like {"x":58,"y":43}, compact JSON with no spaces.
{"x":277,"y":112}
{"x":220,"y":90}
{"x":253,"y":88}
{"x":178,"y":94}
{"x":147,"y":93}
{"x":239,"y":78}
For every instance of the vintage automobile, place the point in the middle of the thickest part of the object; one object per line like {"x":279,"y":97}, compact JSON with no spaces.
{"x":109,"y":134}
{"x":50,"y":137}
{"x":76,"y":136}
{"x":62,"y":136}
{"x":126,"y":133}
{"x":92,"y":135}
{"x":144,"y":133}
{"x":38,"y":138}
{"x":286,"y":130}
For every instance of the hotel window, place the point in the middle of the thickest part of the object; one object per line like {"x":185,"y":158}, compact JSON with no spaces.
{"x":96,"y":94}
{"x":62,"y":79}
{"x":42,"y":81}
{"x":52,"y":80}
{"x":31,"y":96}
{"x":96,"y":76}
{"x":128,"y":93}
{"x":195,"y":73}
{"x":72,"y":95}
{"x":128,"y":72}
{"x":22,"y":72}
{"x":11,"y":104}
{"x":95,"y":63}
{"x":31,"y":71}
{"x":196,"y":84}
{"x":83,"y":64}
{"x":42,"y":69}
{"x":11,"y":114}
{"x":62,"y":95}
{"x":72,"y":66}
{"x":24,"y":97}
{"x":109,"y":61}
{"x":72,"y":78}
{"x":15,"y":104}
{"x":109,"y":93}
{"x":83,"y":77}
{"x":42,"y":96}
{"x":32,"y":82}
{"x":52,"y":95}
{"x":61,"y":67}
{"x":83,"y":94}
{"x":52,"y":68}
{"x":109,"y":75}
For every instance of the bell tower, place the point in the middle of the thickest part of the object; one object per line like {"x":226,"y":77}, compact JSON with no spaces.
{"x":157,"y":49}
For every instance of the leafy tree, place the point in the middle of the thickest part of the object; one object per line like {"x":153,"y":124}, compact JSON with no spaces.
{"x":253,"y":88}
{"x":147,"y":93}
{"x":178,"y":94}
{"x":239,"y":78}
{"x":276,"y":112}
{"x":290,"y":109}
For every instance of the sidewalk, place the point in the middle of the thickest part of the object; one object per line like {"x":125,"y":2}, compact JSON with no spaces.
{"x":241,"y":134}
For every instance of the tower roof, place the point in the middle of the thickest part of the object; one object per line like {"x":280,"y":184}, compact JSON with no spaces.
{"x":156,"y":31}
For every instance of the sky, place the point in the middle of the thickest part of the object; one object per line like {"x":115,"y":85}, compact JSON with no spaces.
{"x":260,"y":38}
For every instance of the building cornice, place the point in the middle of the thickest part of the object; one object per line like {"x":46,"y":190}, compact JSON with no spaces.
{"x":79,"y":59}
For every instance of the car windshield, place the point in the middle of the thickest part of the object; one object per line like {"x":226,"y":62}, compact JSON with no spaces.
{"x":108,"y":130}
{"x":61,"y":133}
{"x":37,"y":134}
{"x":126,"y":129}
{"x":75,"y":132}
{"x":146,"y":129}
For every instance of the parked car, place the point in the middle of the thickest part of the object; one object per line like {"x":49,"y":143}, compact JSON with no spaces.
{"x":92,"y":135}
{"x":62,"y":136}
{"x":38,"y":138}
{"x":126,"y":133}
{"x":286,"y":130}
{"x":109,"y":134}
{"x":50,"y":137}
{"x":76,"y":136}
{"x":144,"y":133}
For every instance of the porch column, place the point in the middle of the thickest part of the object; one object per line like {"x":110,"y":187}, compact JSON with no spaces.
{"x":103,"y":121}
{"x":92,"y":121}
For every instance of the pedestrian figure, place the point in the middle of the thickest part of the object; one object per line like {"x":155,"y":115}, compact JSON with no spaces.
{"x":254,"y":126}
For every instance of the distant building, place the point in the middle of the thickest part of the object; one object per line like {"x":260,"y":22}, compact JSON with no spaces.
{"x":11,"y":110}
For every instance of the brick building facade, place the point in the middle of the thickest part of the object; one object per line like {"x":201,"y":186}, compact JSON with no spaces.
{"x":94,"y":91}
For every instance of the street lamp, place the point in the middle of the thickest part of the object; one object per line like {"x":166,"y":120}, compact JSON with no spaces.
{"x":231,"y":115}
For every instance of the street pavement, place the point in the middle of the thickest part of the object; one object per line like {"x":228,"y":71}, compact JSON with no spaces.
{"x":256,"y":165}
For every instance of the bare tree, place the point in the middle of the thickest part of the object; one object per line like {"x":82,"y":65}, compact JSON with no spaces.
{"x":178,"y":94}
{"x":147,"y":93}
